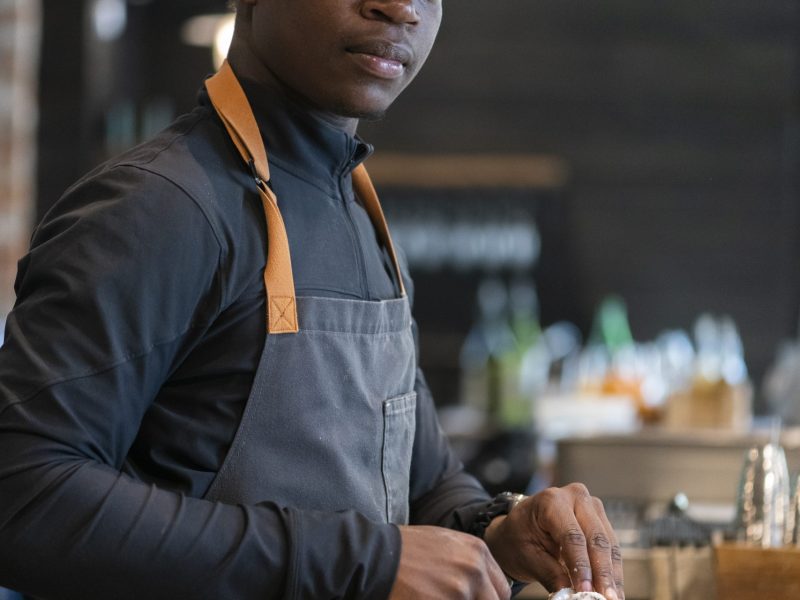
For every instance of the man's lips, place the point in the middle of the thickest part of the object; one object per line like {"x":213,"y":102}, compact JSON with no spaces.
{"x":383,"y":49}
{"x":382,"y":59}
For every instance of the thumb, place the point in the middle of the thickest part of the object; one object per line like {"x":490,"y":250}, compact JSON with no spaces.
{"x":541,"y":566}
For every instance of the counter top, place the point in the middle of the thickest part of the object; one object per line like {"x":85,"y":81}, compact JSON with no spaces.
{"x":659,"y":574}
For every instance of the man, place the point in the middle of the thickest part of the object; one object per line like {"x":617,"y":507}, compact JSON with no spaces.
{"x":158,"y":441}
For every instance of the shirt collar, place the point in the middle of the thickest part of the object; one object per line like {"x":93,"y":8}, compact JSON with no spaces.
{"x":302,"y":142}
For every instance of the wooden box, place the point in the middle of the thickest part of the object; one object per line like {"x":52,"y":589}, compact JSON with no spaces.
{"x":749,"y":573}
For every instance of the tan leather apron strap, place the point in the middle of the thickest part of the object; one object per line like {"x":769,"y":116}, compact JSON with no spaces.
{"x":231,"y":104}
{"x":233,"y":108}
{"x":369,"y":198}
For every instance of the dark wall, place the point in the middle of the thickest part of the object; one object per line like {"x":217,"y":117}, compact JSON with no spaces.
{"x":84,"y":80}
{"x":679,"y":121}
{"x":63,"y":147}
{"x":680,"y":124}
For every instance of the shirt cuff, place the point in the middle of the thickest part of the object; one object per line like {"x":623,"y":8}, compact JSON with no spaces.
{"x":341,"y":555}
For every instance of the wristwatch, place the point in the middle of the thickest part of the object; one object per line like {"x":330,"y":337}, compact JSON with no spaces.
{"x":500,"y":505}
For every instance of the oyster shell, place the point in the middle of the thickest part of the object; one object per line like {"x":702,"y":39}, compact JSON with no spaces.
{"x":570,"y":594}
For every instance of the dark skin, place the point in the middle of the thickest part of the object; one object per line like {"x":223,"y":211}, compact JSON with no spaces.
{"x":346,"y":60}
{"x":319,"y":52}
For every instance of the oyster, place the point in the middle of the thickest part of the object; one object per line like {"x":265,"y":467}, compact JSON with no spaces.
{"x":570,"y":594}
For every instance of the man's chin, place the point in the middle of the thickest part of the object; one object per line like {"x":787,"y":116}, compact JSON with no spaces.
{"x":365,"y":111}
{"x":371,"y":116}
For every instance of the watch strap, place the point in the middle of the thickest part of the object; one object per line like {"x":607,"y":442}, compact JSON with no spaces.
{"x":501,"y":504}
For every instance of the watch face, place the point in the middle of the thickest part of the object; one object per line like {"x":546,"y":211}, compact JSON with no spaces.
{"x":504,"y":502}
{"x":512,"y":499}
{"x":499,"y":505}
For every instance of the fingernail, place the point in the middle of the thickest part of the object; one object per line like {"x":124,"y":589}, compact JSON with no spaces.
{"x":611,"y":594}
{"x":586,"y":586}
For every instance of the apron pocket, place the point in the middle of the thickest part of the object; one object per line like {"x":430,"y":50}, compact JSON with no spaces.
{"x":399,"y":424}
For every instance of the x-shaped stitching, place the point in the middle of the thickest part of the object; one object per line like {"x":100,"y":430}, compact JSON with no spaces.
{"x":281,"y":306}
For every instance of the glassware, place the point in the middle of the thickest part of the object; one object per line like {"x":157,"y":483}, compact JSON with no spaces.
{"x":763,"y":499}
{"x":490,"y":337}
{"x":792,"y":537}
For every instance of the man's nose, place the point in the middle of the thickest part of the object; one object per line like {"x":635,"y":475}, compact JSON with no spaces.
{"x":393,"y":11}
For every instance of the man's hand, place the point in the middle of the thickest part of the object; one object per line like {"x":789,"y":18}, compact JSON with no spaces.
{"x":560,"y":537}
{"x":438,"y":563}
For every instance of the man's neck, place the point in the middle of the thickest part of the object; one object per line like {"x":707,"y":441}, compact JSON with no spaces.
{"x":247,"y":66}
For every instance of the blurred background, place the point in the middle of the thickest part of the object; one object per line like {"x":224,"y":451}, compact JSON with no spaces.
{"x":598,"y":201}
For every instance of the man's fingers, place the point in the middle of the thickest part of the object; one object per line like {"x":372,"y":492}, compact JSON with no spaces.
{"x":576,"y":557}
{"x":442,"y":563}
{"x":616,"y":551}
{"x":487,"y":578}
{"x":586,"y":545}
{"x":482,"y":577}
{"x":497,"y":577}
{"x":562,"y":538}
{"x":552,"y":574}
{"x":599,"y":544}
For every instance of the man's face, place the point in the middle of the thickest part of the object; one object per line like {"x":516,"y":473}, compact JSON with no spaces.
{"x":348,"y":57}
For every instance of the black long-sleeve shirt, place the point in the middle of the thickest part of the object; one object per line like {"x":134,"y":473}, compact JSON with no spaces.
{"x":129,"y":357}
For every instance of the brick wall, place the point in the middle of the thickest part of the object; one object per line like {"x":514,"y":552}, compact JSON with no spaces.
{"x":19,"y":45}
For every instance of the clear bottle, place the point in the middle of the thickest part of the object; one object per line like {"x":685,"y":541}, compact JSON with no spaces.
{"x":525,"y":366}
{"x":489,"y":339}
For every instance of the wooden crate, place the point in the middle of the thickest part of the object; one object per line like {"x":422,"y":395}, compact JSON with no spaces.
{"x":748,"y":573}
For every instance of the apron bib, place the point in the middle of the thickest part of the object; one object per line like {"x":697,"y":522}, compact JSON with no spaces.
{"x":329,"y":423}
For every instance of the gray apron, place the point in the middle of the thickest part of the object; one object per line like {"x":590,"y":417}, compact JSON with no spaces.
{"x":329,"y":423}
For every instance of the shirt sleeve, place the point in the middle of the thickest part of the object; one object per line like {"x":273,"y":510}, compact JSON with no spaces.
{"x":121,"y":278}
{"x":441,"y":493}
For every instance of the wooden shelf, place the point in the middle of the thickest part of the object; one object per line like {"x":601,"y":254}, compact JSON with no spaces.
{"x":534,"y":171}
